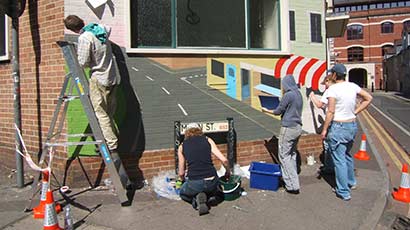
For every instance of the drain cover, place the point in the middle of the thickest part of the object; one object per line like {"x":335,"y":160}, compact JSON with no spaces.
{"x":401,"y":223}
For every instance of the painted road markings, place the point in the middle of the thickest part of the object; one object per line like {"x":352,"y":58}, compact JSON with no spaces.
{"x":165,"y":90}
{"x":135,"y":69}
{"x":149,"y":78}
{"x":182,"y":109}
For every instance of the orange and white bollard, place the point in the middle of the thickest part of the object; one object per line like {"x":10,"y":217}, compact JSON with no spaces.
{"x":362,"y":153}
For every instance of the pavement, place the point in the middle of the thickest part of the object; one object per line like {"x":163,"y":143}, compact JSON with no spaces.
{"x":316,"y":207}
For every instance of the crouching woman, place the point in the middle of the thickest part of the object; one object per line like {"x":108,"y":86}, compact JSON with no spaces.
{"x":201,"y":188}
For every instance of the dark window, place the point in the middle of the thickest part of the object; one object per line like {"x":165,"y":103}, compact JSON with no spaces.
{"x":151,"y":23}
{"x":292,"y":33}
{"x":217,"y":68}
{"x":387,"y":27}
{"x":315,"y":28}
{"x":342,"y":9}
{"x":355,"y":54}
{"x":387,"y":49}
{"x":354,"y":32}
{"x":336,"y":10}
{"x":270,"y":80}
{"x":406,"y":25}
{"x":209,"y":24}
{"x":3,"y":39}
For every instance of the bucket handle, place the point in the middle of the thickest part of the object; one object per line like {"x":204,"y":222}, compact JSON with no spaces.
{"x":229,"y":191}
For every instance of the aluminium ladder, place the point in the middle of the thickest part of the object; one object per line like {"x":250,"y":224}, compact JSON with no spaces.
{"x":76,"y":79}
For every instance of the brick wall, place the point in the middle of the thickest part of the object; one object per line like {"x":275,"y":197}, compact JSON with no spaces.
{"x":154,"y":161}
{"x":373,"y":39}
{"x":41,"y":72}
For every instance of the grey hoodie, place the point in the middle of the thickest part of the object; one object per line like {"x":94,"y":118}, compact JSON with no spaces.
{"x":290,"y":107}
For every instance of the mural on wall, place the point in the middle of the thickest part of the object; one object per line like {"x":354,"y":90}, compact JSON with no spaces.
{"x":257,"y":82}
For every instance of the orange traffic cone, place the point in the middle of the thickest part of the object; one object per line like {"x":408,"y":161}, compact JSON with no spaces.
{"x":50,"y":215}
{"x":362,"y":153}
{"x":403,"y":193}
{"x":39,"y":210}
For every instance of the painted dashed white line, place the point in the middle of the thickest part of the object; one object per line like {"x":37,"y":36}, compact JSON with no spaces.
{"x":149,"y":78}
{"x":165,"y":90}
{"x":185,"y":80}
{"x":183,"y":110}
{"x":135,"y":69}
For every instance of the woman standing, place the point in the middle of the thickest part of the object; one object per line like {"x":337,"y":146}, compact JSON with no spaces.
{"x":290,"y":109}
{"x":341,"y":117}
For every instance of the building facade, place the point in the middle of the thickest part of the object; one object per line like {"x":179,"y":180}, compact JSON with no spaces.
{"x":372,"y":29}
{"x":242,"y":50}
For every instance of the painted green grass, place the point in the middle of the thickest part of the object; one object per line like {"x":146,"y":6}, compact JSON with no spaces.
{"x":77,"y":122}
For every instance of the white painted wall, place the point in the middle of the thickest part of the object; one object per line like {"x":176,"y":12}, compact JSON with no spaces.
{"x":112,"y":14}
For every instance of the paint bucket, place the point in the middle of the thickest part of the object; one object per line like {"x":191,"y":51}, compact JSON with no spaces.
{"x":231,"y":188}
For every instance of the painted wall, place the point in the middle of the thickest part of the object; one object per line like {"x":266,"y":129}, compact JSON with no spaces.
{"x":303,"y":45}
{"x":112,"y":14}
{"x":256,"y":81}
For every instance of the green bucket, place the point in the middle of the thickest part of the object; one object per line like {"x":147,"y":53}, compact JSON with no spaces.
{"x":231,"y":188}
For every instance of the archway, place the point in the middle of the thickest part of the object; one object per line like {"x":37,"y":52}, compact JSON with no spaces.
{"x":358,"y":76}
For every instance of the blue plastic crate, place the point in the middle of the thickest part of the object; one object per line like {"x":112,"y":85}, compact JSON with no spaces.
{"x":265,"y":176}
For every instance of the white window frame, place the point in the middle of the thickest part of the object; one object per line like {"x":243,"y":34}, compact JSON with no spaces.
{"x":6,"y":56}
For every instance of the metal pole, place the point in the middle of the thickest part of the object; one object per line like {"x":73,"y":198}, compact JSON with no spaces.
{"x":17,"y":102}
{"x":177,"y":142}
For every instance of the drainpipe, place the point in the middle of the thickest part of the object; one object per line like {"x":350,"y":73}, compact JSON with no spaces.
{"x":16,"y":93}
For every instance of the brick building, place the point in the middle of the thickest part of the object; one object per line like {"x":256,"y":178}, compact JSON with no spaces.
{"x":42,"y":70}
{"x":370,"y":35}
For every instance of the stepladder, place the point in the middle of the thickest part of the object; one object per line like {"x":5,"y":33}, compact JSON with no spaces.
{"x":75,"y":87}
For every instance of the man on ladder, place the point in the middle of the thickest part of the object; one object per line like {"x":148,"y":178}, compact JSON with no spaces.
{"x":94,"y":51}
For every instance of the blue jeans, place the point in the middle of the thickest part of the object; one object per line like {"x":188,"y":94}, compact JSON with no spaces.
{"x":328,"y":165}
{"x":341,"y":136}
{"x":191,"y":188}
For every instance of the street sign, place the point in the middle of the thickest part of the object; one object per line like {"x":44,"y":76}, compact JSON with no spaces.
{"x":208,"y":126}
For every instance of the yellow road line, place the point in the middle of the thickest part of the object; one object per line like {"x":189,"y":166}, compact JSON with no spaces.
{"x":372,"y":122}
{"x":396,"y":161}
{"x":396,"y":146}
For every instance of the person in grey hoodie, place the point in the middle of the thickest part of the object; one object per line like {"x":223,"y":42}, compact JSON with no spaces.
{"x":290,"y":110}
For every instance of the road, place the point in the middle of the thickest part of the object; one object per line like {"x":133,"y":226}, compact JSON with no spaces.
{"x":387,"y":122}
{"x":167,"y":96}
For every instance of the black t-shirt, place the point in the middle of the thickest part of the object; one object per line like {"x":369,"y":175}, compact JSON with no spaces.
{"x":197,"y":153}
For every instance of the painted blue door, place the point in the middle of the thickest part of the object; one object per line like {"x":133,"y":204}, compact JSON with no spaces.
{"x":231,"y":80}
{"x":245,"y":84}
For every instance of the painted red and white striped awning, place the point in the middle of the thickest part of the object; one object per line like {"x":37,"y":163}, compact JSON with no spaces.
{"x":308,"y":72}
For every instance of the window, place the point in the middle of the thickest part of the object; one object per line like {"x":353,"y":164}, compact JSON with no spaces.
{"x":387,"y":49}
{"x":354,"y":32}
{"x":315,"y":27}
{"x":355,"y":54}
{"x":217,"y":68}
{"x":393,"y":4}
{"x":387,"y":27}
{"x":3,"y":38}
{"x":292,"y":33}
{"x":252,"y":24}
{"x":406,"y":25}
